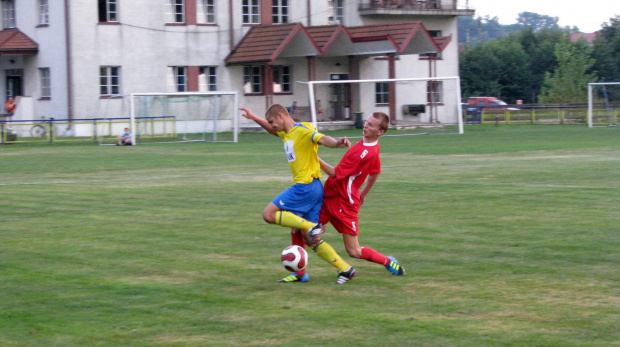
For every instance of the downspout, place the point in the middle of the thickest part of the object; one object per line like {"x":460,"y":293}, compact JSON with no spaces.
{"x":309,"y":9}
{"x":392,"y":86}
{"x":69,"y":74}
{"x":231,"y":27}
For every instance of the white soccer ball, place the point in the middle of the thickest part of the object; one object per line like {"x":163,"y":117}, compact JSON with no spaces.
{"x":294,"y":258}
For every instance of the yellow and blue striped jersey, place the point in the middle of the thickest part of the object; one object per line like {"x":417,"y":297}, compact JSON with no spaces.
{"x":301,"y":148}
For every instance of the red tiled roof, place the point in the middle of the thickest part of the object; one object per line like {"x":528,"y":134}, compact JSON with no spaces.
{"x":325,"y":35}
{"x":264,"y":44}
{"x":589,"y":37}
{"x":399,"y":33}
{"x":13,"y":41}
{"x":442,"y":42}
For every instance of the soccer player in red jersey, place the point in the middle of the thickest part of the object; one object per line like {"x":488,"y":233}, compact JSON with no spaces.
{"x":343,"y":193}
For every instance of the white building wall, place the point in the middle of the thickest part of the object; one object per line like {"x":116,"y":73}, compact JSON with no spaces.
{"x":144,"y":47}
{"x":51,"y":54}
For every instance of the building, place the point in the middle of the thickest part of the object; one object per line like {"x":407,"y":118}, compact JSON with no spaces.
{"x":589,"y":37}
{"x":81,"y":59}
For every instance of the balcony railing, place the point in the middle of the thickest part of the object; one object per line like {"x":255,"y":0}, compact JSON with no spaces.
{"x":444,"y":7}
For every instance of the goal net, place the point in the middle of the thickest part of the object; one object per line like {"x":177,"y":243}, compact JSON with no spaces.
{"x":603,"y":104}
{"x":415,"y":105}
{"x":184,"y":117}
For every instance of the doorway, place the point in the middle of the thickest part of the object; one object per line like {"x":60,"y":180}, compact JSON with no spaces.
{"x":14,"y":82}
{"x":340,"y":101}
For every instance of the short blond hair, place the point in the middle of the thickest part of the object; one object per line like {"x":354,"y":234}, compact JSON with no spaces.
{"x":274,"y":110}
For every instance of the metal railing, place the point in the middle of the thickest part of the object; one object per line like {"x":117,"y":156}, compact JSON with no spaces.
{"x":416,"y":5}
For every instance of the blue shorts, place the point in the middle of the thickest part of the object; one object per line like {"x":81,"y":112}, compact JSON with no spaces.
{"x":304,"y":200}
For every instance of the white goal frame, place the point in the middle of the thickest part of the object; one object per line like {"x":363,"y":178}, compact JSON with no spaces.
{"x":457,"y":80}
{"x":235,"y":116}
{"x":591,"y":99}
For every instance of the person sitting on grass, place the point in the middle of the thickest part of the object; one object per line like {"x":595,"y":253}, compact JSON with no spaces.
{"x":125,"y":138}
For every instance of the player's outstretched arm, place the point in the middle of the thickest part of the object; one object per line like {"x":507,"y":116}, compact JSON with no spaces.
{"x":260,"y":121}
{"x":331,"y":142}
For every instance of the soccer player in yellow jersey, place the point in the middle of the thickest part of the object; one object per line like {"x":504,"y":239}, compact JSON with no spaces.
{"x":298,"y":207}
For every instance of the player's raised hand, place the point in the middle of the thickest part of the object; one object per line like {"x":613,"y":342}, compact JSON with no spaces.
{"x":344,"y":142}
{"x":247,"y":113}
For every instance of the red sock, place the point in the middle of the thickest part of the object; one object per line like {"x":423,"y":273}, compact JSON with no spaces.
{"x":297,"y":239}
{"x":374,"y":256}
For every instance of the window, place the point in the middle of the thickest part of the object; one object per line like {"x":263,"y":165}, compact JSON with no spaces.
{"x":175,"y":11}
{"x":252,"y":79}
{"x":382,"y":93}
{"x":43,"y":13}
{"x":8,"y":14}
{"x":434,"y":92}
{"x":207,"y":80}
{"x":337,"y":8}
{"x":282,"y":79}
{"x":46,"y":85}
{"x":177,"y":79}
{"x":251,"y":12}
{"x":279,"y":11}
{"x":205,"y":11}
{"x":109,"y":80}
{"x":108,"y":11}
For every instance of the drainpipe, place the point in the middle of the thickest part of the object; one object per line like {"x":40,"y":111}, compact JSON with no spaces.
{"x":231,"y":28}
{"x":69,"y":74}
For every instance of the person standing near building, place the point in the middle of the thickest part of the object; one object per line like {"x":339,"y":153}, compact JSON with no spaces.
{"x":298,"y":206}
{"x":9,"y":107}
{"x":344,"y":194}
{"x":320,"y":112}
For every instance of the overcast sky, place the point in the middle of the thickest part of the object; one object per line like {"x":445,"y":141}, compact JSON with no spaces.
{"x":588,"y":16}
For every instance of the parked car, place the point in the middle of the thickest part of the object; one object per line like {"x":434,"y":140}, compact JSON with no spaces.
{"x":488,"y":101}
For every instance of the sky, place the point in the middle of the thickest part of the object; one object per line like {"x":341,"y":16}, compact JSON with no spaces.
{"x":588,"y":16}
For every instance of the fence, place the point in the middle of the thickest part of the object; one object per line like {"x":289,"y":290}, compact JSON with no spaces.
{"x":540,"y":115}
{"x":50,"y":130}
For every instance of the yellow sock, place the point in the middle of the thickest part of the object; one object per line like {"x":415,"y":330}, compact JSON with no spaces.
{"x":328,"y":253}
{"x":288,"y":219}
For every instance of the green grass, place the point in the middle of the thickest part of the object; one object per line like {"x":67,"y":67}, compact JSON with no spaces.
{"x":509,"y":236}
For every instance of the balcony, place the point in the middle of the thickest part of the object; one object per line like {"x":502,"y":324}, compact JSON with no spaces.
{"x":414,"y":7}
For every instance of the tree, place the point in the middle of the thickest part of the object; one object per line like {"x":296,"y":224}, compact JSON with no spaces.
{"x":539,"y":46}
{"x":569,"y":81}
{"x":607,"y":51}
{"x":537,"y":21}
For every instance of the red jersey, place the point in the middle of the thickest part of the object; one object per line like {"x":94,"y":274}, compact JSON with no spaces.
{"x":361,"y":160}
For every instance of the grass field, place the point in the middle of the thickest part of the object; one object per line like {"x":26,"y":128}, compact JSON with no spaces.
{"x":509,"y":235}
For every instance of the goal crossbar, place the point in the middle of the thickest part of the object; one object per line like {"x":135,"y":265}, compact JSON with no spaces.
{"x":457,"y":96}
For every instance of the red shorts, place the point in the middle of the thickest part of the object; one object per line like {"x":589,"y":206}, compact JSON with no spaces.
{"x":341,"y":214}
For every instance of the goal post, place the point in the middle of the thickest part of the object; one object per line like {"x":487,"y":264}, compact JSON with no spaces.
{"x":603,"y":104}
{"x":184,"y":117}
{"x":422,"y":103}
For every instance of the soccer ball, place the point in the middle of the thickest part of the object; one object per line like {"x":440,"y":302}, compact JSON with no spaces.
{"x":294,"y":258}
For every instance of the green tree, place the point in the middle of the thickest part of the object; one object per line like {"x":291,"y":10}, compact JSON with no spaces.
{"x":537,"y":21}
{"x":568,"y":83}
{"x":607,"y":51}
{"x":539,"y":47}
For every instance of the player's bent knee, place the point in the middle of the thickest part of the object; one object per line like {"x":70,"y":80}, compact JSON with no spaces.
{"x":269,"y":218}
